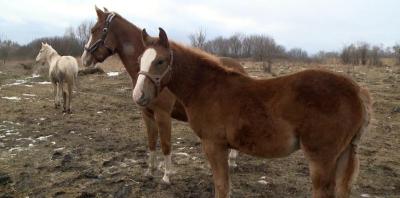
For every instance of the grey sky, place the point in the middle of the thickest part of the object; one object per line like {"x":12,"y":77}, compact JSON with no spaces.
{"x":310,"y":24}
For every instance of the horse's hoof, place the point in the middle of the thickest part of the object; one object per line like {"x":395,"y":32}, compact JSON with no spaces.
{"x":149,"y":172}
{"x":232,"y":164}
{"x":165,"y":179}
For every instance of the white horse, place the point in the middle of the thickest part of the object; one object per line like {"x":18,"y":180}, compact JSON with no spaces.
{"x":63,"y":74}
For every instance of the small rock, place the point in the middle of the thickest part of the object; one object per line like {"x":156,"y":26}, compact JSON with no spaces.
{"x":56,"y":155}
{"x":124,"y":191}
{"x":87,"y":195}
{"x":90,"y":174}
{"x":396,"y":109}
{"x":5,"y":179}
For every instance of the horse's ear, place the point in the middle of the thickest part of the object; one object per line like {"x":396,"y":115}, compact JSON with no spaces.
{"x":105,"y":9}
{"x":99,"y":12}
{"x":163,"y":39}
{"x":145,"y":38}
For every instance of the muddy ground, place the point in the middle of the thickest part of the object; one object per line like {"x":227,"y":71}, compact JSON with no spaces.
{"x":100,"y":149}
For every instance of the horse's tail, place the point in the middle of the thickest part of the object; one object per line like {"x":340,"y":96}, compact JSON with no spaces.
{"x":348,"y":162}
{"x":366,"y":102}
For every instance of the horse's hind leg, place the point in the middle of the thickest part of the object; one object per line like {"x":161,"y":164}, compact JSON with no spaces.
{"x":68,"y":97}
{"x":152,"y":135}
{"x":56,"y":94}
{"x":346,"y":171}
{"x":322,"y":171}
{"x":163,"y":120}
{"x":232,"y":158}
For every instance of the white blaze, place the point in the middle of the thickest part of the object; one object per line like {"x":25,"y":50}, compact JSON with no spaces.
{"x":145,"y":62}
{"x":84,"y":57}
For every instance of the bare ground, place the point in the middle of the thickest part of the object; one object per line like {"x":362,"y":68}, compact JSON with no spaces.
{"x":100,"y":149}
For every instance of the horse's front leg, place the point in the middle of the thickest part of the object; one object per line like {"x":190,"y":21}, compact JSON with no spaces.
{"x":163,"y":120}
{"x":217,"y":155}
{"x":152,"y":135}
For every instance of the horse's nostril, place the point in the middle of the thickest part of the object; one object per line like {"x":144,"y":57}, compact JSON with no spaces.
{"x":142,"y":100}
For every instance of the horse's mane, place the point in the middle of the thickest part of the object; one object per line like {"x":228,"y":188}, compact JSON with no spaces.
{"x":125,"y":20}
{"x":207,"y":60}
{"x":51,"y":49}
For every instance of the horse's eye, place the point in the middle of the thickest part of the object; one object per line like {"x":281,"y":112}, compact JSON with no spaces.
{"x":160,"y":62}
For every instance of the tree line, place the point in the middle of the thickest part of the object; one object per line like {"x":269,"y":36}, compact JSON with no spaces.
{"x":258,"y":47}
{"x":71,"y":43}
{"x":264,"y":48}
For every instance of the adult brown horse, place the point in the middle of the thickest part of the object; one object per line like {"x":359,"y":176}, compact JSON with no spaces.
{"x":320,"y":112}
{"x":114,"y":34}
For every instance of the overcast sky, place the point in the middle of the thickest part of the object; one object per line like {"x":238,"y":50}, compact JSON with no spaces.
{"x":310,"y":24}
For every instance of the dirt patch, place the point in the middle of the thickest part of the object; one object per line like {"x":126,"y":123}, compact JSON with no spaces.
{"x":100,"y":149}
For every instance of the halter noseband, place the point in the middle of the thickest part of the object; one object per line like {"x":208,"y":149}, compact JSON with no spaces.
{"x":92,"y":48}
{"x":156,"y":79}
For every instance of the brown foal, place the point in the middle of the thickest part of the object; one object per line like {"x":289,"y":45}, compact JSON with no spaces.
{"x":322,"y":113}
{"x":113,"y":34}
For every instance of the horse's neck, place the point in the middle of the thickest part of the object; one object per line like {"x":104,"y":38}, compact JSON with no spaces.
{"x":129,"y":46}
{"x":52,"y":59}
{"x":190,"y":75}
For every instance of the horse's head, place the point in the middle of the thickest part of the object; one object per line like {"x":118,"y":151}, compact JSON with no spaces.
{"x":44,"y":52}
{"x":102,"y":41}
{"x":155,"y":68}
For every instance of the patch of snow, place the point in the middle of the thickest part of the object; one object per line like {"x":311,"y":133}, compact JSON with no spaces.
{"x":365,"y":195}
{"x":99,"y":112}
{"x":28,"y":85}
{"x":29,"y":95}
{"x":44,"y":83}
{"x":30,"y":145}
{"x":11,"y":98}
{"x":112,"y":73}
{"x":2,"y":136}
{"x":9,"y":133}
{"x":33,"y":76}
{"x":182,"y":148}
{"x":262,"y":182}
{"x":54,"y":143}
{"x":18,"y":149}
{"x":42,"y":119}
{"x":28,"y":138}
{"x":59,"y":149}
{"x":8,"y":122}
{"x":183,"y":154}
{"x":44,"y":138}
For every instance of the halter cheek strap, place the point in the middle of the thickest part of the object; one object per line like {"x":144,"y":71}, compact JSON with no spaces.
{"x":157,"y":79}
{"x":101,"y":42}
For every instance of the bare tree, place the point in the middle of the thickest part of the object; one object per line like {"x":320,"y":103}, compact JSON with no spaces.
{"x":265,"y":49}
{"x":374,"y":56}
{"x":396,"y":50}
{"x":297,"y":54}
{"x":7,"y":47}
{"x":363,"y":49}
{"x":82,"y":32}
{"x":235,"y":45}
{"x":198,"y":38}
